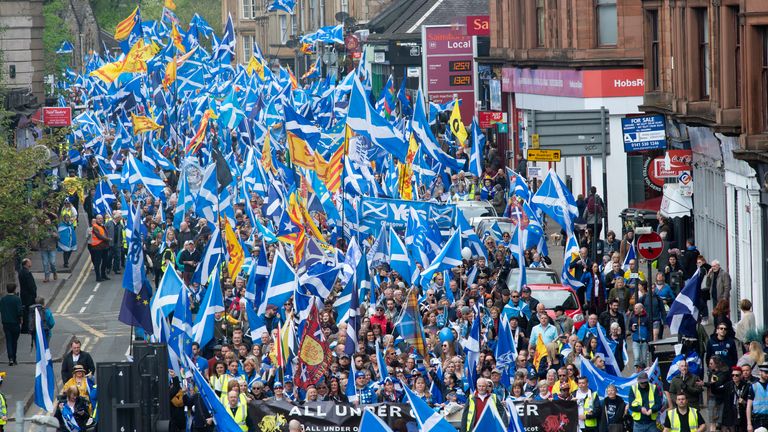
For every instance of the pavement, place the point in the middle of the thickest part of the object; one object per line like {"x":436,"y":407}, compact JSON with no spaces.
{"x":82,"y":308}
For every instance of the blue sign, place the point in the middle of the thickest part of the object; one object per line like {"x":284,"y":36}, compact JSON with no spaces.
{"x":374,"y":212}
{"x":644,"y":133}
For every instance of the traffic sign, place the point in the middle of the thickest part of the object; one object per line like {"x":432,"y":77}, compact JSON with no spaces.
{"x":542,"y":155}
{"x":535,"y":141}
{"x":649,"y":246}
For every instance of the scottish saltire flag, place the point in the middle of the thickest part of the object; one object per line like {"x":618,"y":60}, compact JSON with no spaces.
{"x":515,"y":424}
{"x":180,"y":341}
{"x":683,"y":314}
{"x":409,"y":325}
{"x":382,"y":365}
{"x":164,"y":301}
{"x":154,"y":158}
{"x":570,"y":255}
{"x":631,"y":255}
{"x":478,"y":146}
{"x":370,"y":422}
{"x":214,"y":252}
{"x":230,"y":112}
{"x":212,"y":302}
{"x":45,"y":390}
{"x":428,"y":419}
{"x":134,"y":260}
{"x":554,"y":199}
{"x":424,"y":136}
{"x":281,"y":285}
{"x":65,"y":48}
{"x":599,"y":380}
{"x":365,"y":121}
{"x":448,"y":258}
{"x":469,"y":236}
{"x":471,"y":347}
{"x":405,"y":103}
{"x":103,"y":199}
{"x":604,"y":348}
{"x":379,"y":252}
{"x":67,"y":238}
{"x":225,"y":50}
{"x":184,"y":201}
{"x":319,"y":279}
{"x":351,"y":390}
{"x":489,"y":421}
{"x":517,"y":186}
{"x":140,"y":173}
{"x":283,"y":5}
{"x":221,"y":418}
{"x":505,"y":350}
{"x":398,"y":255}
{"x":695,"y":366}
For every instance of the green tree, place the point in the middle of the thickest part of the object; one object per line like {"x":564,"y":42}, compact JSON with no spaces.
{"x":55,"y":32}
{"x":110,"y":12}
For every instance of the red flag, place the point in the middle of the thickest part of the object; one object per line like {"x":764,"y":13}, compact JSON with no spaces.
{"x":314,"y":353}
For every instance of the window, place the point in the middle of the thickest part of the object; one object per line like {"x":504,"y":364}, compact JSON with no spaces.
{"x":734,"y":13}
{"x":540,"y":22}
{"x":345,"y":6}
{"x":250,"y":9}
{"x":652,"y":17}
{"x":705,"y":72}
{"x":283,"y":29}
{"x":607,"y":22}
{"x":764,"y":77}
{"x":294,"y":25}
{"x":247,"y":47}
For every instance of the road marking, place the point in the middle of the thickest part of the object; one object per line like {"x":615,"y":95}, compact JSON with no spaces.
{"x":87,"y":328}
{"x":84,"y":342}
{"x":96,"y":288}
{"x":82,"y":309}
{"x":128,"y":350}
{"x":79,"y":282}
{"x":90,"y":298}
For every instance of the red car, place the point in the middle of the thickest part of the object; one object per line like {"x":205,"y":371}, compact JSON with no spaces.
{"x":546,"y":287}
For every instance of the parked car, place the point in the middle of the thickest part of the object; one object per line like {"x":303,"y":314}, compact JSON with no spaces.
{"x":546,"y":287}
{"x":476,"y":209}
{"x":486,"y":223}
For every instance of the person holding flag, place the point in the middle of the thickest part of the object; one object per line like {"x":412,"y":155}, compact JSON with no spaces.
{"x":476,"y":404}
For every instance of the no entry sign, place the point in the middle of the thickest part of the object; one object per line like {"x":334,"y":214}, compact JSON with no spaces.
{"x":649,"y":246}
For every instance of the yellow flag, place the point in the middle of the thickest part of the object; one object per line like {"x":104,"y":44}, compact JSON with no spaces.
{"x":234,"y":249}
{"x":301,"y":154}
{"x":540,"y":352}
{"x":177,"y":40}
{"x":169,"y":4}
{"x":143,"y":124}
{"x":255,"y":65}
{"x":266,"y":154}
{"x":405,"y":187}
{"x":109,"y":72}
{"x":457,"y":127}
{"x":413,"y":148}
{"x":136,"y":59}
{"x":125,"y":27}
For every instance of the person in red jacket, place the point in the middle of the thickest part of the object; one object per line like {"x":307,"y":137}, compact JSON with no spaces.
{"x":381,"y":319}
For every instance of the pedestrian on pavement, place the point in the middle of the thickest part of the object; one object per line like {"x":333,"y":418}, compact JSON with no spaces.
{"x":76,"y":356}
{"x":718,"y":282}
{"x":99,"y":248}
{"x":11,"y":311}
{"x":48,"y":243}
{"x":67,"y":237}
{"x":27,"y":291}
{"x":46,"y":318}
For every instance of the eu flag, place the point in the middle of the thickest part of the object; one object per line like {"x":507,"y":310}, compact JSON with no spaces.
{"x":134,"y":311}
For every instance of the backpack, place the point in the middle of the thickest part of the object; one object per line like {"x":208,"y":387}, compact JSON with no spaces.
{"x":43,"y":319}
{"x":595,"y":205}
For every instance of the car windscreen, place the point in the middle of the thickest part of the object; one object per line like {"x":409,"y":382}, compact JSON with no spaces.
{"x":554,"y":298}
{"x":533,"y":277}
{"x":476,"y":211}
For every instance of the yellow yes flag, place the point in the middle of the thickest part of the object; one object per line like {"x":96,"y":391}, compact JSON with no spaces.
{"x":234,"y":249}
{"x":170,"y":4}
{"x":540,"y":352}
{"x":457,"y":127}
{"x":143,"y":124}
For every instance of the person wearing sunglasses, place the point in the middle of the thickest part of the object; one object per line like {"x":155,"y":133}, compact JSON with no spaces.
{"x":720,"y":344}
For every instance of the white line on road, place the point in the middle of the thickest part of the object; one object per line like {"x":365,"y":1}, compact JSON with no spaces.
{"x":96,"y":288}
{"x":90,"y":297}
{"x":82,"y":309}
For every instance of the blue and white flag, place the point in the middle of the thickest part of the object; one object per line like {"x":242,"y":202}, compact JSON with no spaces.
{"x":212,"y":302}
{"x":515,"y":424}
{"x":683,"y":314}
{"x":281,"y":285}
{"x":140,"y":173}
{"x":398,"y":255}
{"x":319,"y":279}
{"x":134,"y":260}
{"x":225,"y":50}
{"x":599,"y":380}
{"x":283,"y":5}
{"x":554,"y":199}
{"x":221,"y":418}
{"x":103,"y":199}
{"x":164,"y":301}
{"x":44,"y":380}
{"x":351,"y":390}
{"x":214,"y":253}
{"x":231,"y":114}
{"x":428,"y":419}
{"x":382,"y":365}
{"x":570,"y":255}
{"x":365,"y":121}
{"x":180,"y":341}
{"x":631,"y":255}
{"x":370,"y":422}
{"x":505,"y":350}
{"x":448,"y":258}
{"x":490,"y":421}
{"x":478,"y":146}
{"x":604,"y":348}
{"x":67,"y":238}
{"x":65,"y":48}
{"x":151,"y":156}
{"x":695,"y":366}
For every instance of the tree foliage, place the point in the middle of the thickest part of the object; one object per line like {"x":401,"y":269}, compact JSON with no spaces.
{"x":55,"y":32}
{"x":110,"y":12}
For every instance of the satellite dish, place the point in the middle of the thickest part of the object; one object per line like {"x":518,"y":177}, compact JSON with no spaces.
{"x":341,"y":16}
{"x":291,"y":43}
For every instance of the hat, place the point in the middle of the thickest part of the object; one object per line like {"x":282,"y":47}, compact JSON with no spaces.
{"x":640,"y":364}
{"x":288,"y":379}
{"x":434,"y":362}
{"x":277,"y":384}
{"x":531,"y":375}
{"x":359,"y":374}
{"x":763,"y":367}
{"x":496,"y":371}
{"x":465,"y":310}
{"x":388,"y":380}
{"x":78,"y":368}
{"x":642,"y":377}
{"x":379,"y":306}
{"x":526,"y":289}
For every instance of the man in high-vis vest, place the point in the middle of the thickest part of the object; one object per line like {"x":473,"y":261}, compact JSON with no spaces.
{"x":644,"y":404}
{"x":588,"y":404}
{"x":684,"y":418}
{"x":757,"y":407}
{"x":477,"y":402}
{"x":238,"y":410}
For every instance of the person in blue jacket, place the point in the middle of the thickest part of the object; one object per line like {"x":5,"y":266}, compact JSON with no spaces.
{"x":640,"y":326}
{"x":722,"y":345}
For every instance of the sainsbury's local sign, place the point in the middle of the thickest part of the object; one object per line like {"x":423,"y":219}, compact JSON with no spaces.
{"x":449,"y":66}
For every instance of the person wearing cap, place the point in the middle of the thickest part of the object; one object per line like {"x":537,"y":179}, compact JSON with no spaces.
{"x":80,"y":381}
{"x":757,"y":406}
{"x":683,"y":418}
{"x":688,"y":383}
{"x":644,"y":404}
{"x":365,"y":391}
{"x":477,"y":402}
{"x":498,"y":388}
{"x":387,"y":392}
{"x":277,"y":391}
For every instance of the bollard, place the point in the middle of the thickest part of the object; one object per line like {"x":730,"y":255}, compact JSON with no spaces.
{"x":19,"y":416}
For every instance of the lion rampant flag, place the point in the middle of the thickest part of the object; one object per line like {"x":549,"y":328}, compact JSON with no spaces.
{"x":314,"y":353}
{"x":539,"y":352}
{"x":143,"y":124}
{"x":234,"y":249}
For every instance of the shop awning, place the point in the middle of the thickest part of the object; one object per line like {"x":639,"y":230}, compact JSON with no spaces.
{"x":652,"y":204}
{"x":674,"y":204}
